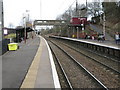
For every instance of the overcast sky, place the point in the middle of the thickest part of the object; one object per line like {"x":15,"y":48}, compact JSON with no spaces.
{"x":38,"y":9}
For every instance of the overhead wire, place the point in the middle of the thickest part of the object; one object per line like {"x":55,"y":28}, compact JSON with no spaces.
{"x":61,"y":5}
{"x":69,"y":6}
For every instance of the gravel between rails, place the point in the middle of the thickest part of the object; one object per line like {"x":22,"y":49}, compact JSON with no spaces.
{"x":107,"y":61}
{"x":62,"y":78}
{"x":77,"y":76}
{"x":105,"y":76}
{"x":102,"y":59}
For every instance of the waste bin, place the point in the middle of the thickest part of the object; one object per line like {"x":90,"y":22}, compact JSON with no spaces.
{"x":12,"y":46}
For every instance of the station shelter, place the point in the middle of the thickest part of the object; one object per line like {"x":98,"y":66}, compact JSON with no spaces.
{"x":20,"y":33}
{"x":77,"y":27}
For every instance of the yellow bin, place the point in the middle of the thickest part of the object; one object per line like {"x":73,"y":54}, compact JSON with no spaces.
{"x":12,"y":46}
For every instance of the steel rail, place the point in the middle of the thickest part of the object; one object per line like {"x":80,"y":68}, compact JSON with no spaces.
{"x":94,"y":60}
{"x":103,"y":56}
{"x":64,"y":73}
{"x":100,"y":54}
{"x":78,"y":63}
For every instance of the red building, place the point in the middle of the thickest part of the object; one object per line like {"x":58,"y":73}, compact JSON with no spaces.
{"x":78,"y":21}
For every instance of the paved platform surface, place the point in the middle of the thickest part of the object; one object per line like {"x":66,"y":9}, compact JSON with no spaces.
{"x":44,"y":77}
{"x":107,"y":43}
{"x":42,"y":72}
{"x":31,"y":66}
{"x":16,"y":63}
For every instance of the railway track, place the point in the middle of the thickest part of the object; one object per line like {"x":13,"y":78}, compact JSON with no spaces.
{"x":99,"y":54}
{"x":106,"y":75}
{"x":107,"y":62}
{"x":105,"y":56}
{"x":76,"y":74}
{"x":66,"y":81}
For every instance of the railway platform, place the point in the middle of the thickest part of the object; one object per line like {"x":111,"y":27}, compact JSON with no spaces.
{"x":105,"y":43}
{"x":42,"y":72}
{"x":31,"y":66}
{"x":111,"y":43}
{"x":110,"y":48}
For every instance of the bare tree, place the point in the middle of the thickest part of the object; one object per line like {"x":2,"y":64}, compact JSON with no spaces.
{"x":11,"y":25}
{"x":94,"y":8}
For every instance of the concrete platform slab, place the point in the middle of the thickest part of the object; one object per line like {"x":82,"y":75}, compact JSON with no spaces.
{"x":42,"y":72}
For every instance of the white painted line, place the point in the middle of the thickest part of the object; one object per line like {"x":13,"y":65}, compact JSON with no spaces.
{"x":54,"y":72}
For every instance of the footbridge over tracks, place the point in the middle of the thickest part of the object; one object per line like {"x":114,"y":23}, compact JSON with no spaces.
{"x":50,"y":23}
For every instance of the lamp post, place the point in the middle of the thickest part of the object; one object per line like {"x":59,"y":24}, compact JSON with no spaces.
{"x":24,"y":19}
{"x":68,"y":31}
{"x":77,"y":33}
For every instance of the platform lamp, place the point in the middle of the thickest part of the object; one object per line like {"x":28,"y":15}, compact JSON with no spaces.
{"x":68,"y":31}
{"x":24,"y":19}
{"x":77,"y":32}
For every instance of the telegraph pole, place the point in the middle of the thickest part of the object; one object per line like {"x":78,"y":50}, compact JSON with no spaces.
{"x":86,"y":8}
{"x":86,"y":4}
{"x":104,"y":20}
{"x":77,"y":16}
{"x":76,"y":8}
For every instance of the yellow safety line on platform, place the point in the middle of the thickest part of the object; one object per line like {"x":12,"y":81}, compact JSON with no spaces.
{"x":30,"y":78}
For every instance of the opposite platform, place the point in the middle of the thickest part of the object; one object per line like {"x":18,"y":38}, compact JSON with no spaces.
{"x":110,"y":44}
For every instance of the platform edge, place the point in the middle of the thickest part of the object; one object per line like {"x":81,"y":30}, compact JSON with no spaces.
{"x":54,"y":71}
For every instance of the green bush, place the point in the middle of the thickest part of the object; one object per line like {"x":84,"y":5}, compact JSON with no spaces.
{"x":12,"y":35}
